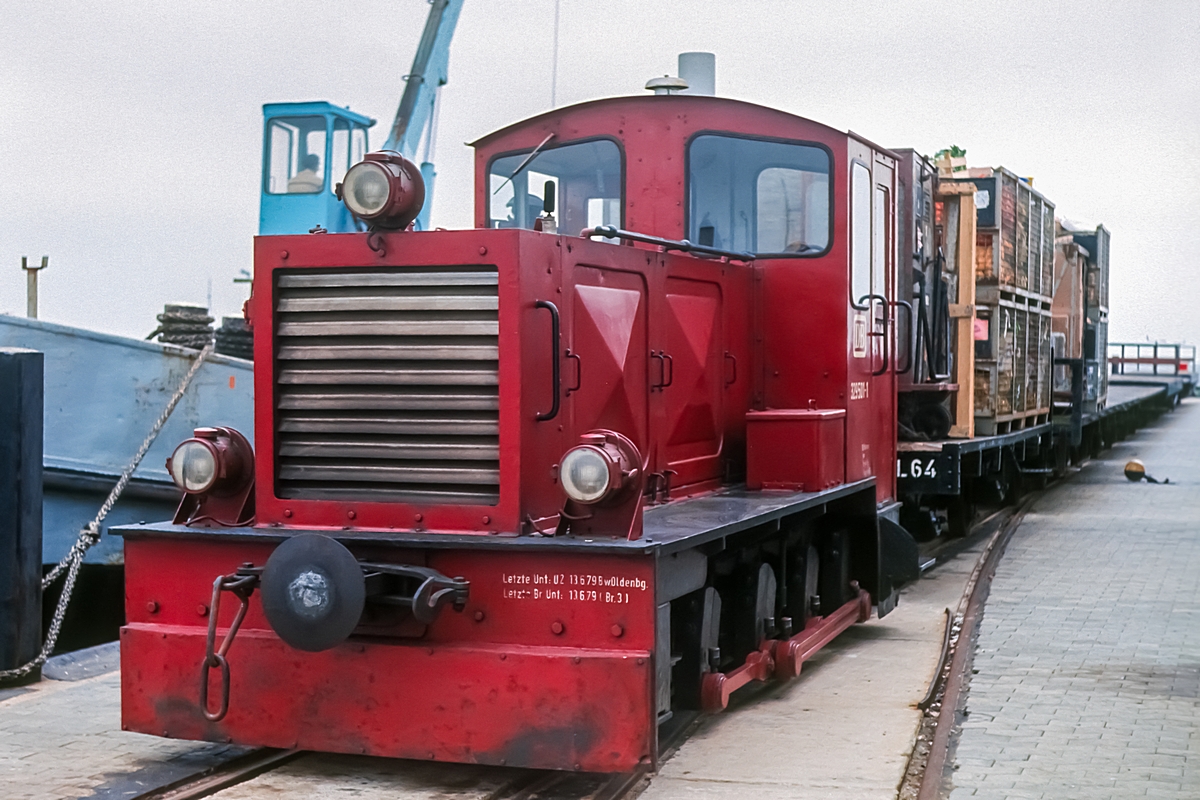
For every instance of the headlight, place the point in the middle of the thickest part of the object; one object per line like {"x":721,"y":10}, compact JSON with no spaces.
{"x":366,"y":189}
{"x":385,"y":190}
{"x":217,"y":461}
{"x":586,"y":474}
{"x":193,"y":466}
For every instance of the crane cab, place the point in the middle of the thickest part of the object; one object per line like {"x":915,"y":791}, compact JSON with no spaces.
{"x":307,"y":148}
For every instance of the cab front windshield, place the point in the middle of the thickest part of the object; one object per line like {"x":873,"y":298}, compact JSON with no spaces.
{"x":586,"y":177}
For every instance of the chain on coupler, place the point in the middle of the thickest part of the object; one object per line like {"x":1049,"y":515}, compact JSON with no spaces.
{"x":241,"y":584}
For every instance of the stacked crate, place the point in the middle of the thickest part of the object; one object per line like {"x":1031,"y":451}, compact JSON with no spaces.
{"x":1014,"y":264}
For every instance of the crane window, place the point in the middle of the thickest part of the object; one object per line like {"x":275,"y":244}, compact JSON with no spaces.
{"x":296,"y":157}
{"x":349,"y":147}
{"x":587,"y":179}
{"x":766,"y":197}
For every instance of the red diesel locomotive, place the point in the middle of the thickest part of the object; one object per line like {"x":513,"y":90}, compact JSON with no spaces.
{"x":517,"y":496}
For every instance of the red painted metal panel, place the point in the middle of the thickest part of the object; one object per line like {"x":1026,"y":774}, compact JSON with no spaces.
{"x":515,"y":598}
{"x":694,"y":343}
{"x":498,"y":680}
{"x":553,"y":708}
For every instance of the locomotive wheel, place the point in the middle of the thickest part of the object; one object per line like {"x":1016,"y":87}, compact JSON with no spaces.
{"x":812,"y":584}
{"x":834,"y":582}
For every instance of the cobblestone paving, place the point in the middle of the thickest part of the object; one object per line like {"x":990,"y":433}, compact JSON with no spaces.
{"x":1088,"y":659}
{"x":64,"y":740}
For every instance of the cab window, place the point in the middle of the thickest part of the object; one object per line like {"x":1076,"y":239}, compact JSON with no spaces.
{"x":765,"y":197}
{"x":860,"y":233}
{"x":296,"y":157}
{"x":587,"y":179}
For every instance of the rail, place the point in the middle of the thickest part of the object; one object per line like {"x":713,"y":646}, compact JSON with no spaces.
{"x":1177,"y":359}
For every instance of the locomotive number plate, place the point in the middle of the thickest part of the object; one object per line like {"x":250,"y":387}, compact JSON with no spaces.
{"x":927,"y":473}
{"x":573,"y":587}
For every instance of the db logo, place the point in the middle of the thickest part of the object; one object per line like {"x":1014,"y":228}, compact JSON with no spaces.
{"x":859,"y":337}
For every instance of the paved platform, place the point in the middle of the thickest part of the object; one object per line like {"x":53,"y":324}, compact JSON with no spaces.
{"x":62,"y":739}
{"x":844,"y":728}
{"x":1088,"y":659}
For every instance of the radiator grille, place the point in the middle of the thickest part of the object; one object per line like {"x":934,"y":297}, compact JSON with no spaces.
{"x":386,"y":385}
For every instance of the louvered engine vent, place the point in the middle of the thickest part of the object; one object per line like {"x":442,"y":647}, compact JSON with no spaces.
{"x":386,"y":385}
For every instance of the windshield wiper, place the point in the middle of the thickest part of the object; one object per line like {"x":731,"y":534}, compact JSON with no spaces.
{"x":532,"y":155}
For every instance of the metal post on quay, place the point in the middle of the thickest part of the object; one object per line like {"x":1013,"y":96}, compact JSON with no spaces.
{"x":31,"y":287}
{"x":20,"y":510}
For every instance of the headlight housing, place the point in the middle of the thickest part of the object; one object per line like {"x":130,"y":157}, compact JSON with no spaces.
{"x":602,"y":469}
{"x":216,"y":460}
{"x":385,"y":190}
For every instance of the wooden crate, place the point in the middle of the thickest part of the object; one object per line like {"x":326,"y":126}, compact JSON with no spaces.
{"x":1012,"y":362}
{"x":1014,"y":276}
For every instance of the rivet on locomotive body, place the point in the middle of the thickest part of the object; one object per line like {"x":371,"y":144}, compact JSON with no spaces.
{"x":202,"y":610}
{"x":284,"y":254}
{"x":556,"y":628}
{"x":617,"y":631}
{"x":577,"y":660}
{"x":152,"y":607}
{"x":486,"y":519}
{"x":419,"y":517}
{"x":351,"y":514}
{"x":287,"y":512}
{"x":641,"y":661}
{"x":503,"y":656}
{"x":479,"y":615}
{"x":483,"y":251}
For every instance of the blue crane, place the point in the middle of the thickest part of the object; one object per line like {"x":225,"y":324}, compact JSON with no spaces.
{"x":308,"y":147}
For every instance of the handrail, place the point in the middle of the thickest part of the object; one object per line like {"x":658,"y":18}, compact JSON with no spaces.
{"x":870,"y":299}
{"x":613,"y":232}
{"x":555,"y":362}
{"x":910,"y":350}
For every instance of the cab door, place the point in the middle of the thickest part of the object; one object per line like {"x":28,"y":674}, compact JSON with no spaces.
{"x":871,"y":396}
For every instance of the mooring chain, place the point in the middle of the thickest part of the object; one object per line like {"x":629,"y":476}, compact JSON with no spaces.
{"x":90,"y":534}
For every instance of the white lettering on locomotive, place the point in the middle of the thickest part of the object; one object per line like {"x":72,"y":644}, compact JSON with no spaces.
{"x":590,"y":587}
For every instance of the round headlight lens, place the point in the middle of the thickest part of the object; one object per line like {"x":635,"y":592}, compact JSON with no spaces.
{"x":194,"y":467}
{"x":367,"y":189}
{"x":585,"y":474}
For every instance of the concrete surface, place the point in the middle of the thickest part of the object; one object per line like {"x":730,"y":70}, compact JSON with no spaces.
{"x":62,"y":739}
{"x":844,"y":728}
{"x":1088,"y":657}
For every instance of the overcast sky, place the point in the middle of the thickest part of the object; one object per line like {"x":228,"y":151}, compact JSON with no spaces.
{"x":130,"y":132}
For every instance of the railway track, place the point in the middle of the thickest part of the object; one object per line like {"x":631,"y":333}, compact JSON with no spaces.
{"x":518,"y":784}
{"x":923,"y":780}
{"x":943,"y":704}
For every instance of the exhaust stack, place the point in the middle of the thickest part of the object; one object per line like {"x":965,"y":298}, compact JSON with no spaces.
{"x":700,"y":72}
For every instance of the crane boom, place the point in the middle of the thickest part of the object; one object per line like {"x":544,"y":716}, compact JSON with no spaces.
{"x":429,"y":72}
